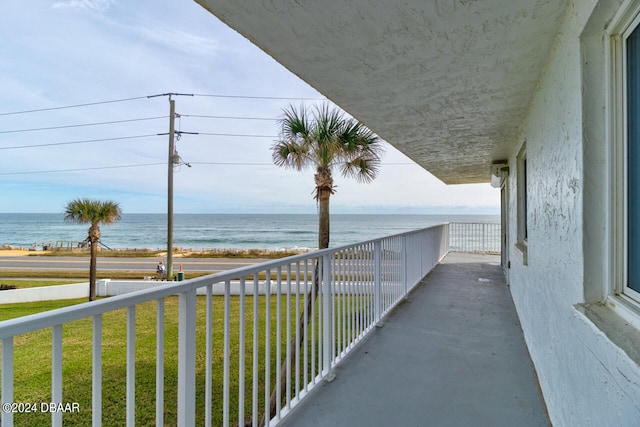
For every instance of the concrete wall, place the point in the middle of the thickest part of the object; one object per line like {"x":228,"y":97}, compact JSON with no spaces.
{"x":578,"y":365}
{"x":118,"y":287}
{"x":45,"y":293}
{"x":110,"y":288}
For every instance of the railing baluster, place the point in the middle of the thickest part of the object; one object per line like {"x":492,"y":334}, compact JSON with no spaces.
{"x":367,"y":285}
{"x":7,"y":380}
{"x":278,"y":340}
{"x":297,"y":329}
{"x":318,"y":339}
{"x":371,"y":286}
{"x":96,"y":371}
{"x":358,"y":312}
{"x":267,"y":349}
{"x":405,"y":266}
{"x":254,"y":403}
{"x":187,"y":358}
{"x":377,"y":282}
{"x":131,"y":366}
{"x":288,"y":342}
{"x":313,"y":320}
{"x":227,"y":353}
{"x":56,"y":373}
{"x":159,"y":362}
{"x":305,"y":327}
{"x":208,"y":379}
{"x":327,"y":344}
{"x":341,"y":316}
{"x":352,"y":295}
{"x":241,"y":350}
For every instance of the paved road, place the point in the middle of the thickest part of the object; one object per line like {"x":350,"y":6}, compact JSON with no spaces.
{"x":127,"y":264}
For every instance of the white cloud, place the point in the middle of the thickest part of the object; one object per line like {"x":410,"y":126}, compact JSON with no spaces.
{"x":93,"y":5}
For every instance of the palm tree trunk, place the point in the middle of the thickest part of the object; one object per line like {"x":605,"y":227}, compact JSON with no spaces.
{"x":94,"y":237}
{"x":92,"y":271}
{"x":323,"y":219}
{"x":324,"y":190}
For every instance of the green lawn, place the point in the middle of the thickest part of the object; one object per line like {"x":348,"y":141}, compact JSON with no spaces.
{"x":32,"y":361}
{"x":29,"y":283}
{"x":82,"y":275}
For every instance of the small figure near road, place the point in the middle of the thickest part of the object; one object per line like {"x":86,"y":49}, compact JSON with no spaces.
{"x":162,"y":271}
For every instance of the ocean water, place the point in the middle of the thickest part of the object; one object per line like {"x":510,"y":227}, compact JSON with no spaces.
{"x":219,"y":231}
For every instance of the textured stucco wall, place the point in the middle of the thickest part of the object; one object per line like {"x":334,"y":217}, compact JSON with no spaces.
{"x":578,"y":367}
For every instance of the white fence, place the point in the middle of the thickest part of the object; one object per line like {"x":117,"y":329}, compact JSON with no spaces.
{"x":475,"y":237}
{"x":281,"y":343}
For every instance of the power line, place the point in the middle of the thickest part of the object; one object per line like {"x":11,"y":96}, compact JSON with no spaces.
{"x":163,"y":164}
{"x":237,"y":134}
{"x":232,"y":163}
{"x":71,"y":106}
{"x":82,"y":125}
{"x":82,"y":169}
{"x":228,"y":117}
{"x":271,"y":164}
{"x":88,"y":104}
{"x":260,"y":97}
{"x":77,"y":142}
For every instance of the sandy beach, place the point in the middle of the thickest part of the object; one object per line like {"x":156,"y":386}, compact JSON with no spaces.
{"x":15,"y":252}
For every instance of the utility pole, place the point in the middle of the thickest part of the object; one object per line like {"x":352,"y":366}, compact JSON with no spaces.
{"x":173,"y":160}
{"x":172,"y":149}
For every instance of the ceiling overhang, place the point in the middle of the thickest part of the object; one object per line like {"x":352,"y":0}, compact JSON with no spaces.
{"x":447,"y":82}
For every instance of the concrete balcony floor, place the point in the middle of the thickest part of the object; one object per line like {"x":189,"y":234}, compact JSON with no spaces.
{"x":453,"y":354}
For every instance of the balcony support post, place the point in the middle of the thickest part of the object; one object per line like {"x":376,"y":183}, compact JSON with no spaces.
{"x":187,"y":359}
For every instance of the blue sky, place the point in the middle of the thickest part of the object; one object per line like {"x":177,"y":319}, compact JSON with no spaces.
{"x":62,"y":53}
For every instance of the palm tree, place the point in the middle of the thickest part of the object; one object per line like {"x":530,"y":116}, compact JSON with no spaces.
{"x":94,"y":212}
{"x":325,"y":139}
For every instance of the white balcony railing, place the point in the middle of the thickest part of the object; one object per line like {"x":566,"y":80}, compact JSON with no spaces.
{"x":475,"y":237}
{"x":313,"y":309}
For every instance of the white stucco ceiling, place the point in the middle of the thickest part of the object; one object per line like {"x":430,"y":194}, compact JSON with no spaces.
{"x":447,"y":82}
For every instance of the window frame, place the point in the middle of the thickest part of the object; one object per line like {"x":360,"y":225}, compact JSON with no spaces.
{"x":522,"y":240}
{"x":620,"y":295}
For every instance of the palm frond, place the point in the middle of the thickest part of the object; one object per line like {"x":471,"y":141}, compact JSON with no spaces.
{"x":290,"y":154}
{"x":362,"y":169}
{"x":323,"y":137}
{"x":84,"y":210}
{"x":294,"y":126}
{"x":328,"y":123}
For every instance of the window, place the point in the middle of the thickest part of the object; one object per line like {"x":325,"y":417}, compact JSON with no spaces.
{"x":625,"y":164}
{"x":632,"y":125}
{"x":521,"y":189}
